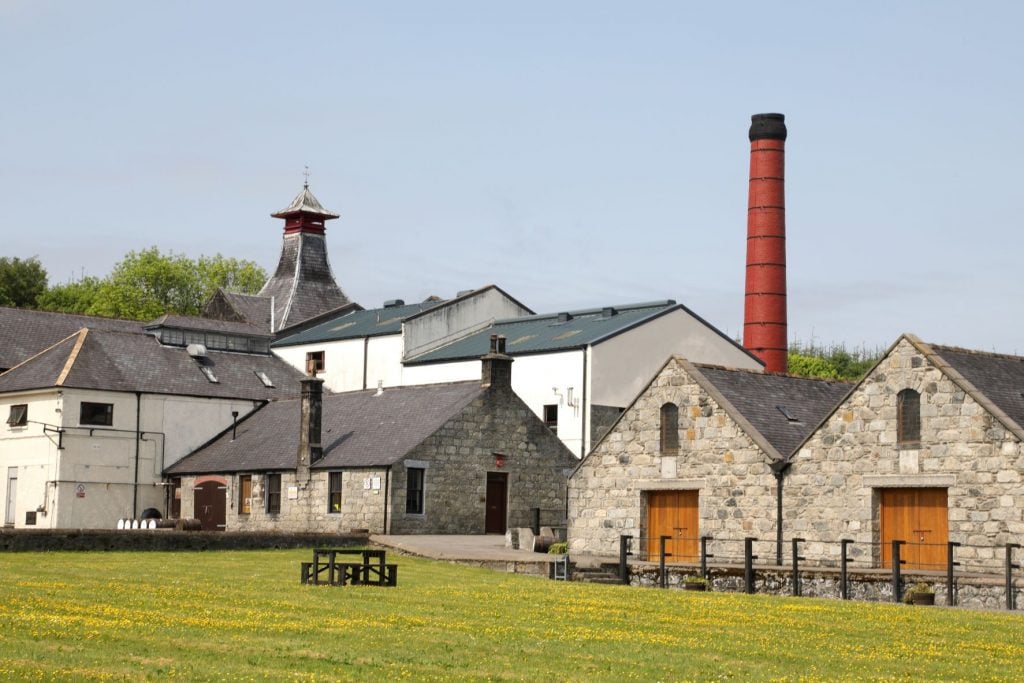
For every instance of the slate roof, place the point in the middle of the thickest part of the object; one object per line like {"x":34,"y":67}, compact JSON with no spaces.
{"x":189,"y":322}
{"x":233,"y":306}
{"x":24,"y":333}
{"x":125,"y":361}
{"x":303,"y":285}
{"x":304,"y":202}
{"x":540,"y":333}
{"x":782,"y":408}
{"x":357,"y":324}
{"x":999,"y":377}
{"x":359,"y":429}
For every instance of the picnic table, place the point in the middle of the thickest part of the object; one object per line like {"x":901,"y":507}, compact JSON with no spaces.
{"x":329,"y":567}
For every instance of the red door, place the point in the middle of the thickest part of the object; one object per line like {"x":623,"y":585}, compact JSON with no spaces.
{"x":496,"y":515}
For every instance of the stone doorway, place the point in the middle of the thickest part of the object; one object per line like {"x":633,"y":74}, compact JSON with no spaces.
{"x":920,"y":517}
{"x":496,"y":515}
{"x":210,"y":506}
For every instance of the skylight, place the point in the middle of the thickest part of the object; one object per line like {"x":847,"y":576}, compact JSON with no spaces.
{"x":264,"y":378}
{"x":209,"y":374}
{"x":789,"y":416}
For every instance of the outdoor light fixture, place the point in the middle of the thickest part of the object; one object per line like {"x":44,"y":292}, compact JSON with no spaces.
{"x":499,"y":459}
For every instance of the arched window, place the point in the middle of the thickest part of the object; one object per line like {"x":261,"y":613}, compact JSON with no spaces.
{"x":908,"y":418}
{"x":669,"y":428}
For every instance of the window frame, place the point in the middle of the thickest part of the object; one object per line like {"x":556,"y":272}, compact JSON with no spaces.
{"x":668,"y":440}
{"x":551,"y":416}
{"x":245,"y":494}
{"x":334,"y":491}
{"x":415,"y":498}
{"x":316,"y":362}
{"x":908,"y":419}
{"x":107,"y":415}
{"x":13,"y":417}
{"x":272,"y":493}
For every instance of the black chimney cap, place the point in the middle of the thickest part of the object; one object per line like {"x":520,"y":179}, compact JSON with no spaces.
{"x":767,"y":127}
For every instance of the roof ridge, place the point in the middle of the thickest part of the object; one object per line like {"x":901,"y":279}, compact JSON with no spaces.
{"x":72,"y":357}
{"x":44,"y":351}
{"x":782,"y":375}
{"x":975,"y":352}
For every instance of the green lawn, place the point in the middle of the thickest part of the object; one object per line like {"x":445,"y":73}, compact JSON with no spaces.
{"x":244,"y":616}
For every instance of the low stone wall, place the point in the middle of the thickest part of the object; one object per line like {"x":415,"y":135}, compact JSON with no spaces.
{"x":15,"y":540}
{"x":970,"y":591}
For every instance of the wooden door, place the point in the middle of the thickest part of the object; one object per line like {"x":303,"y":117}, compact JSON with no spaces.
{"x":675,"y":514}
{"x":920,"y":517}
{"x":211,"y":505}
{"x":496,"y":515}
{"x":12,"y":494}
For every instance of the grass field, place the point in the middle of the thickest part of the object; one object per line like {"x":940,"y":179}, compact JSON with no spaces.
{"x":244,"y":616}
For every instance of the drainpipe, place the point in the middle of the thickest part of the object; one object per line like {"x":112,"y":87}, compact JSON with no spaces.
{"x":366,"y":359}
{"x":387,"y":493}
{"x":138,"y":444}
{"x":778,"y":468}
{"x":584,"y":437}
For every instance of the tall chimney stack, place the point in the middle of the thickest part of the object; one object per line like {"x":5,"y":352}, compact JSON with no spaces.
{"x":310,"y":424}
{"x":496,"y":365}
{"x":764,"y":307}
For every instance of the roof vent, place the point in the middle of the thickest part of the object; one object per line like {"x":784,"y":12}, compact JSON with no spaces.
{"x":564,"y":317}
{"x":393,"y":303}
{"x":196,"y":350}
{"x":380,"y":387}
{"x":790,"y":417}
{"x":609,"y":311}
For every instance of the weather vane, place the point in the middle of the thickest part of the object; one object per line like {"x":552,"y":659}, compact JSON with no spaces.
{"x":306,"y":174}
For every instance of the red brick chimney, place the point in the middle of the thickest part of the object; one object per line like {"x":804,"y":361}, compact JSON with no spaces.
{"x":764,"y":307}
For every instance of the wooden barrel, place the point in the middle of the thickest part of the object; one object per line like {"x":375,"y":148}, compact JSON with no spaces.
{"x":188,"y":525}
{"x":166,"y":523}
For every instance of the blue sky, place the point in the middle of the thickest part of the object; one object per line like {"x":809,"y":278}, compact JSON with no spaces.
{"x":577,"y":154}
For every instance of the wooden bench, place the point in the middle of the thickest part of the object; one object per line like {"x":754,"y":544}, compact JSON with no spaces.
{"x":326,"y":569}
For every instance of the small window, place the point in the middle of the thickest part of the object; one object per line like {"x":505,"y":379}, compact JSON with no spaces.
{"x":244,"y":494}
{"x":96,"y":414}
{"x":272,"y":493}
{"x":209,"y":374}
{"x":908,"y":418}
{"x":314,"y":363}
{"x":414,"y":491}
{"x":551,"y":416}
{"x":334,"y":492}
{"x":267,"y":382}
{"x":669,"y":428}
{"x":790,"y":417}
{"x":18,"y":417}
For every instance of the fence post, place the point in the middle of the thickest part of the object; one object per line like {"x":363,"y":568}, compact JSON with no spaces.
{"x":797,"y":588}
{"x":704,"y":555}
{"x":535,"y":515}
{"x":748,"y":563}
{"x":949,"y":571}
{"x":897,"y":585}
{"x":661,"y":560}
{"x":623,"y":554}
{"x":1010,"y":566}
{"x":844,"y":584}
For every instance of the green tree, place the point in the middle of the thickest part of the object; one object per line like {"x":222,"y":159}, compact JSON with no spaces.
{"x":146,"y":284}
{"x":73,"y":297}
{"x":21,"y":281}
{"x":811,"y":366}
{"x":834,"y":362}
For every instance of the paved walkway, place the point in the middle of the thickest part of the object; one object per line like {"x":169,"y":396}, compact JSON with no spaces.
{"x":481,"y":548}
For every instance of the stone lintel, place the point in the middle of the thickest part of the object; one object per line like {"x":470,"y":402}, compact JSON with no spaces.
{"x":881,"y":481}
{"x":670,"y":484}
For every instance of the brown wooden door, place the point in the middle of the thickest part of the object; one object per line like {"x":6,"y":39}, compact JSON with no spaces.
{"x":496,"y":515}
{"x":675,"y":514}
{"x":211,"y":505}
{"x":920,"y":517}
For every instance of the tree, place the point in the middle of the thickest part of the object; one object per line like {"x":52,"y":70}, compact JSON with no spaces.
{"x":21,"y":281}
{"x":146,"y":284}
{"x":73,"y":297}
{"x":831,"y":363}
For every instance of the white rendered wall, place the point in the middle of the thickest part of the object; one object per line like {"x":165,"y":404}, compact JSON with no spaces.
{"x":32,"y":451}
{"x":343,"y":362}
{"x":623,"y":365}
{"x":437,"y":373}
{"x":384,"y":361}
{"x":456,"y":319}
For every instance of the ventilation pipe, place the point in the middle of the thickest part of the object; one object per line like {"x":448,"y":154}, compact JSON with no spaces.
{"x":764,"y":314}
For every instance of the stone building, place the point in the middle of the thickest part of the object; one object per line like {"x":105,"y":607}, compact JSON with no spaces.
{"x":699,"y":452}
{"x":926,"y":449}
{"x":455,"y":458}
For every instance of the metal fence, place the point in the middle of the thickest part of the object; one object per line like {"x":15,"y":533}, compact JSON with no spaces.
{"x":899,"y":557}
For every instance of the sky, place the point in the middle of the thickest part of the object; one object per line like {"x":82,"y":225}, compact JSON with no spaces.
{"x":576,"y":154}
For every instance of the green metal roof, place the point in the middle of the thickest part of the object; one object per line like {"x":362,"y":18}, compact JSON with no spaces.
{"x":358,"y":324}
{"x":554,"y":332}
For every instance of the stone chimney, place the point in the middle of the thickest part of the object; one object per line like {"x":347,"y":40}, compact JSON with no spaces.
{"x":496,"y":366}
{"x":764,"y":308}
{"x":310,"y":424}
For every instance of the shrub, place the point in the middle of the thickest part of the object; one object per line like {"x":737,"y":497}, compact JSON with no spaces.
{"x":558,"y":548}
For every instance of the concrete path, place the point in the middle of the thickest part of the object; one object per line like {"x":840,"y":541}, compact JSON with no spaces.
{"x":481,"y":548}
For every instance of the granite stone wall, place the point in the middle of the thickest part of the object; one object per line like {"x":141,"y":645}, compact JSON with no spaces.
{"x":736,"y":489}
{"x":832,"y":489}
